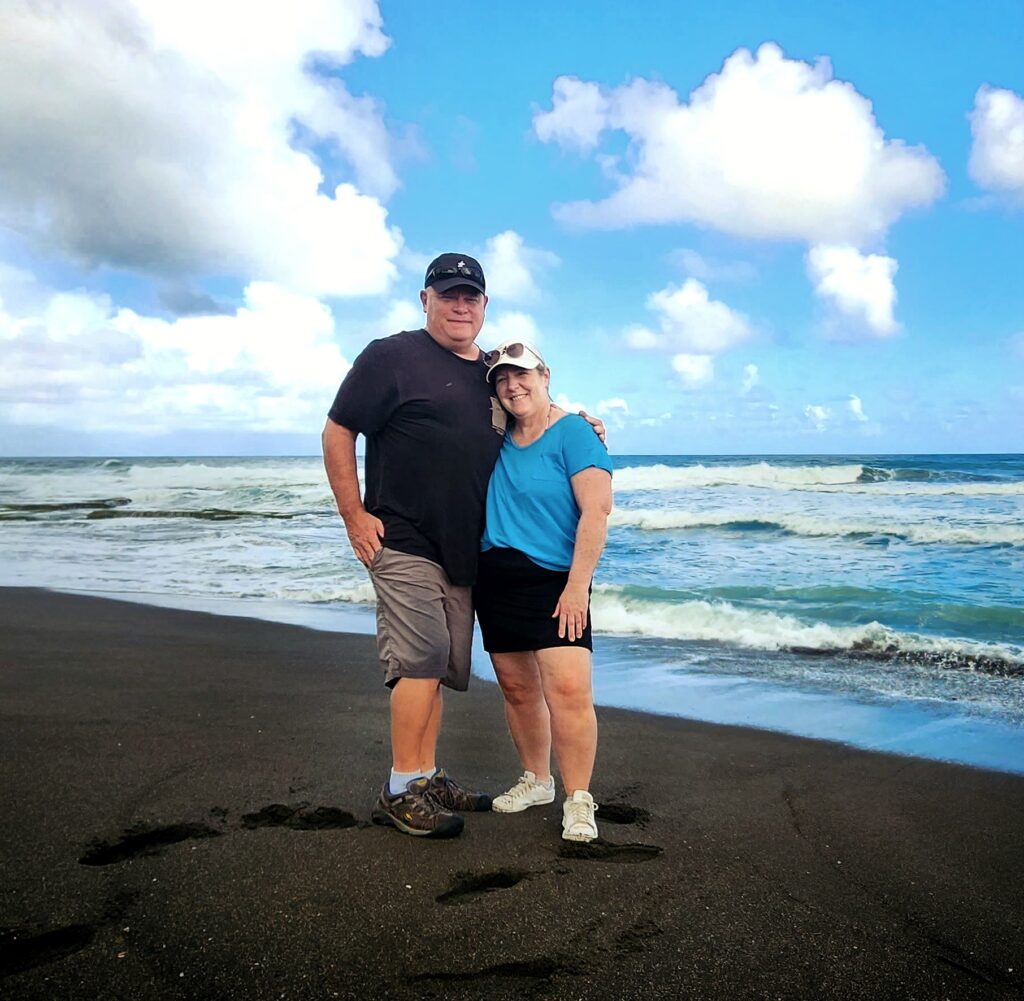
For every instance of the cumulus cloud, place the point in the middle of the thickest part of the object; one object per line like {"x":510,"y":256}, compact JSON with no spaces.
{"x":694,"y":370}
{"x":614,"y":411}
{"x":858,"y":287}
{"x":513,"y":326}
{"x":511,"y":266}
{"x":617,"y":405}
{"x":817,"y":415}
{"x":579,"y":114}
{"x":769,"y":147}
{"x":569,"y":406}
{"x":708,"y":270}
{"x":690,"y":321}
{"x":185,"y":144}
{"x":73,"y":358}
{"x":751,"y":377}
{"x":401,"y":315}
{"x":997,"y":153}
{"x":857,"y":408}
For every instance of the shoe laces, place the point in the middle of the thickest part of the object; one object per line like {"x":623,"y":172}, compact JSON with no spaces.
{"x":580,"y":812}
{"x":522,"y":788}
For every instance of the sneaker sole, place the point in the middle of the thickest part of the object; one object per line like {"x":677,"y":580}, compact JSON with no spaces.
{"x":526,"y":806}
{"x":450,"y":830}
{"x":579,"y":837}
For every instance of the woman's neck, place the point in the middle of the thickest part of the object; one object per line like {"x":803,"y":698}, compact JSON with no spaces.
{"x":529,"y":429}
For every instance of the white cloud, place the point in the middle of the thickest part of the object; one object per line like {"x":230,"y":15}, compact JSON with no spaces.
{"x":769,"y":147}
{"x":175,"y":155}
{"x":578,"y":116}
{"x":653,"y":422}
{"x":570,"y":406}
{"x":641,"y":338}
{"x":857,"y":408}
{"x":617,"y":405}
{"x":708,"y":270}
{"x":513,"y":326}
{"x":858,"y":286}
{"x":510,"y":266}
{"x":751,"y":377}
{"x":615,"y":411}
{"x":73,"y":358}
{"x":694,"y":370}
{"x":401,"y":315}
{"x":817,"y":415}
{"x":691,"y":322}
{"x":997,"y":154}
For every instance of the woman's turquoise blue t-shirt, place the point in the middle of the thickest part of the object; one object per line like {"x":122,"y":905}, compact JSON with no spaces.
{"x":530,"y":503}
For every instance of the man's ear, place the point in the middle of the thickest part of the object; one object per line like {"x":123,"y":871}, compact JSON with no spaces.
{"x":423,"y":299}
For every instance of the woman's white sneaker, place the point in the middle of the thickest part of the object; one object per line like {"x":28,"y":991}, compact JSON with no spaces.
{"x":525,"y":793}
{"x":578,"y":822}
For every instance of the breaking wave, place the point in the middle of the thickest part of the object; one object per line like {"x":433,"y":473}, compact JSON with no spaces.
{"x":722,"y":622}
{"x":851,"y":478}
{"x":654,"y":520}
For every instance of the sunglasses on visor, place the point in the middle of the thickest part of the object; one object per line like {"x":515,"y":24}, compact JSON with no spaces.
{"x":509,"y":351}
{"x":455,"y":271}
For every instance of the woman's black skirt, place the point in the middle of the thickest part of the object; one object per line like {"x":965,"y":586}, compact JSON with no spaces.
{"x":514,"y":600}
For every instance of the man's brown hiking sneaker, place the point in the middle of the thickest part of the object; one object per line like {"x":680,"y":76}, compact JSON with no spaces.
{"x":416,"y":812}
{"x":452,"y":796}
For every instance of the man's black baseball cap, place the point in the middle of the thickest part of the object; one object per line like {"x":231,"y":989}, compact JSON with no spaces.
{"x":449,"y":270}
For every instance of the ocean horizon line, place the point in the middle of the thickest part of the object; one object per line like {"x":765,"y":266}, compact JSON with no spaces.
{"x":125,"y":456}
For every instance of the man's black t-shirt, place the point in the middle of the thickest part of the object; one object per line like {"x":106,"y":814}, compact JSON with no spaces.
{"x":430,"y":446}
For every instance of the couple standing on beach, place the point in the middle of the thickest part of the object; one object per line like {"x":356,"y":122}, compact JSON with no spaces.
{"x":454,"y":433}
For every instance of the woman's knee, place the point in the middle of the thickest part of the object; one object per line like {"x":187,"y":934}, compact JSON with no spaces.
{"x":569,"y":694}
{"x":519,"y":681}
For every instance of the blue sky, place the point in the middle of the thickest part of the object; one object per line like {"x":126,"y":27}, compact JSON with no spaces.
{"x":756,"y":228}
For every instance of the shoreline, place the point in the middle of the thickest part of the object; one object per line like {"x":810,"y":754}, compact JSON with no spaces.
{"x":941,"y":732}
{"x":186,"y":801}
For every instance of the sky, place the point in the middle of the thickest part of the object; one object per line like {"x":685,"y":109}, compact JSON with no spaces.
{"x":744,"y":228}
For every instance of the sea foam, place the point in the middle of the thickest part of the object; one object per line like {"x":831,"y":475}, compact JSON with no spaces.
{"x":847,"y":478}
{"x":654,"y":520}
{"x":722,"y":622}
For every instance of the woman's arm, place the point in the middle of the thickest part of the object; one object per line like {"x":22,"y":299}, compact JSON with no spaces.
{"x":593,"y":491}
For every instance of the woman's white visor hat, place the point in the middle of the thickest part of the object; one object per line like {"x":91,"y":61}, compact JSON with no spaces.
{"x":517,"y":353}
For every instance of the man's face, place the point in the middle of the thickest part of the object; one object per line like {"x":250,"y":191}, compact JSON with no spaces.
{"x":454,"y":317}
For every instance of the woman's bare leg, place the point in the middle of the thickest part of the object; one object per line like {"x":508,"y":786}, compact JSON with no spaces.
{"x":565,"y":674}
{"x":526,"y":710}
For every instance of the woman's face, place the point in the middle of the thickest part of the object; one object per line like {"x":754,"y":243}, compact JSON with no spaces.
{"x":523,"y":392}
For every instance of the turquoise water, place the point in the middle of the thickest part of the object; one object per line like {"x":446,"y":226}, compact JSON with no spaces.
{"x":882,"y":582}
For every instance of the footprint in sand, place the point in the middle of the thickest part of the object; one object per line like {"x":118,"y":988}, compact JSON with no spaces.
{"x":142,"y":840}
{"x":605,"y":851}
{"x":471,"y":884}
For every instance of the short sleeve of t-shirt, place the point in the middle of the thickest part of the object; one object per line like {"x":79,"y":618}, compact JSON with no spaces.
{"x":581,"y":448}
{"x":368,"y":395}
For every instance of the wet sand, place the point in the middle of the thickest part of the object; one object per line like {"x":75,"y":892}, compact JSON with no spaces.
{"x":185,"y":806}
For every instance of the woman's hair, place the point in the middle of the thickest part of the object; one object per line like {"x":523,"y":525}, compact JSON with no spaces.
{"x":540,"y":369}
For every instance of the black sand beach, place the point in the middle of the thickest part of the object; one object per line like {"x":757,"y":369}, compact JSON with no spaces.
{"x":185,"y":815}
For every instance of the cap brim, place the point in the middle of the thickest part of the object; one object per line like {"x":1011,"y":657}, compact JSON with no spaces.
{"x":448,"y":283}
{"x":505,"y":362}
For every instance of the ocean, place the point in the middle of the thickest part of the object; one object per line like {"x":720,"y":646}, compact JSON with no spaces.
{"x":875,"y":600}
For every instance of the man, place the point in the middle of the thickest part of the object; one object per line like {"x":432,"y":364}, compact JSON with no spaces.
{"x":433,"y":433}
{"x":432,"y":438}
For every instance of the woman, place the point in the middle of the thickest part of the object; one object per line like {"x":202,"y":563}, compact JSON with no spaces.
{"x":547,"y":511}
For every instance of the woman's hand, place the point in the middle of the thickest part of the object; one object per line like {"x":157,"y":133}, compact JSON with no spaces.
{"x":571,"y":611}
